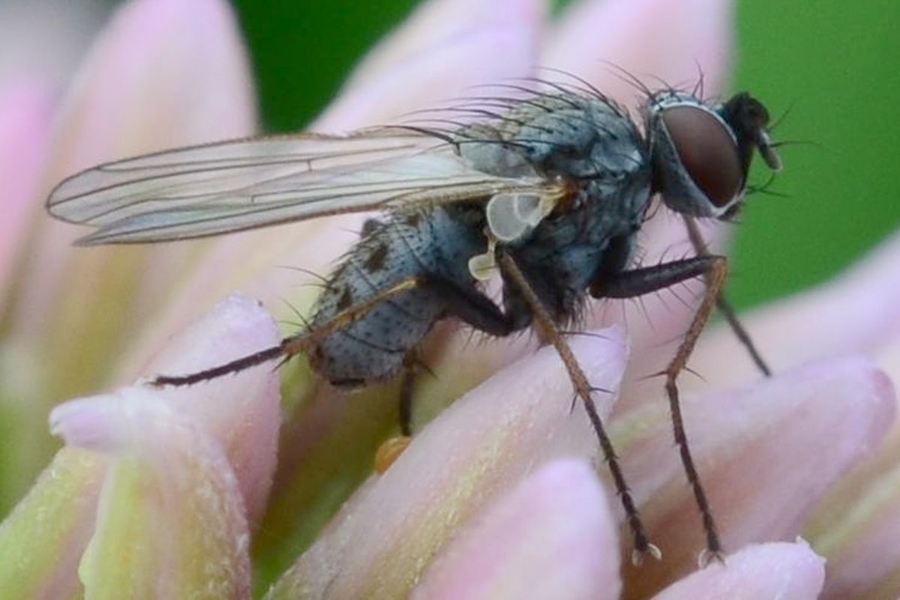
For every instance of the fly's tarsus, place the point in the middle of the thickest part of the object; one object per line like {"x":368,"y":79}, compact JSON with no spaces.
{"x":230,"y":368}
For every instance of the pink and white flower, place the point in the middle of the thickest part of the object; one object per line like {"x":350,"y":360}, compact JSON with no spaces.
{"x":176,"y":493}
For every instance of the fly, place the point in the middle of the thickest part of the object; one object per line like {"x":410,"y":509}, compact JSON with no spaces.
{"x":548,"y":192}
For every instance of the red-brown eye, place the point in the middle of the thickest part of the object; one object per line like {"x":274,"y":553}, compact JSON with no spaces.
{"x":707,"y":151}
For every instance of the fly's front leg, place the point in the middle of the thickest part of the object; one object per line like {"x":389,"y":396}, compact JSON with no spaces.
{"x":289,"y":346}
{"x":543,"y":322}
{"x":638,"y":282}
{"x":722,"y":303}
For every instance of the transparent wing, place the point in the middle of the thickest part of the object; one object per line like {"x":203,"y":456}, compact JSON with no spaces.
{"x":243,"y":184}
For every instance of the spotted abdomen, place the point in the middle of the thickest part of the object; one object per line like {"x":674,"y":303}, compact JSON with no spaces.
{"x":420,"y":246}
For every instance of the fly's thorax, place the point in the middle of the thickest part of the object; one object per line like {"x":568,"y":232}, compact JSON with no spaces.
{"x":413,"y":246}
{"x":485,"y":147}
{"x":593,"y":234}
{"x":557,"y":135}
{"x":592,"y":145}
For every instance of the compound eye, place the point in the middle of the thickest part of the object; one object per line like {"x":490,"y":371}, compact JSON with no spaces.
{"x":707,"y":150}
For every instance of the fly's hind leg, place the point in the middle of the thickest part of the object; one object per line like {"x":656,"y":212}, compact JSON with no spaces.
{"x":413,"y":366}
{"x":289,"y":346}
{"x":471,"y":307}
{"x":391,"y":449}
{"x":407,"y":387}
{"x":638,"y":282}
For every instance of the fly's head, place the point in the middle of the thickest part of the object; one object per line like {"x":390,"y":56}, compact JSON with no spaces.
{"x":701,"y":153}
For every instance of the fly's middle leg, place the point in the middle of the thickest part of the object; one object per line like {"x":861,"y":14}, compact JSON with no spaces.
{"x":407,"y":387}
{"x":638,"y":282}
{"x":547,"y":329}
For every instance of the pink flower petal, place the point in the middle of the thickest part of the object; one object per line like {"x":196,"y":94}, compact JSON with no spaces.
{"x":445,"y":73}
{"x":857,"y":525}
{"x":438,"y":23}
{"x":164,"y":73}
{"x":857,"y":312}
{"x":756,"y":572}
{"x":651,"y":39}
{"x":25,"y":116}
{"x":243,"y":411}
{"x":171,"y":521}
{"x":551,"y":537}
{"x":858,"y":534}
{"x":228,"y":428}
{"x":781,"y":443}
{"x":486,"y":442}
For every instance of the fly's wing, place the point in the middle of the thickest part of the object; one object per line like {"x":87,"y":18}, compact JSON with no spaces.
{"x":243,"y":184}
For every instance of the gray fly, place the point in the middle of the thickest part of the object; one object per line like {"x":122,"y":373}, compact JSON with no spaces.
{"x":548,"y":191}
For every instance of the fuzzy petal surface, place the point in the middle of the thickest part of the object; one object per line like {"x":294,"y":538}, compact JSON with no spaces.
{"x":780,"y":443}
{"x":487,"y":441}
{"x":243,"y":411}
{"x":170,"y":521}
{"x":216,"y":440}
{"x":162,"y":73}
{"x":552,"y":536}
{"x":777,"y":571}
{"x":43,"y":538}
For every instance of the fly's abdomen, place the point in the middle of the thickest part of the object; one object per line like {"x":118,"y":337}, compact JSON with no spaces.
{"x":410,"y":247}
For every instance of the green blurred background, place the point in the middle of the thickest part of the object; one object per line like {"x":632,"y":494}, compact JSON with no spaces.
{"x":833,"y":63}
